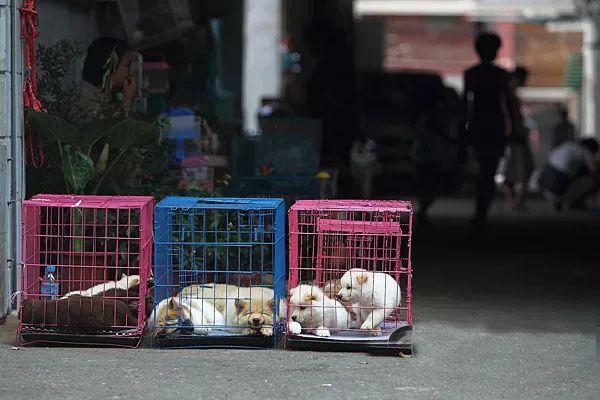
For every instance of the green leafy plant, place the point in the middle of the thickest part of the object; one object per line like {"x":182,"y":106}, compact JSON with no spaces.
{"x":90,"y":151}
{"x":57,"y":93}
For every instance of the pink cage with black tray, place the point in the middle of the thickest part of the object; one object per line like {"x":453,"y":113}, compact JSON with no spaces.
{"x":71,"y":244}
{"x":327,"y":238}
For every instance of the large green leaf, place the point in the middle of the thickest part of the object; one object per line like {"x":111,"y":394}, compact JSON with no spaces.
{"x":54,"y":127}
{"x":131,"y":133}
{"x":95,"y":129}
{"x":78,"y":168}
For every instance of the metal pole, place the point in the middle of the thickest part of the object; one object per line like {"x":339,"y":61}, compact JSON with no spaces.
{"x":5,"y":152}
{"x":18,"y":159}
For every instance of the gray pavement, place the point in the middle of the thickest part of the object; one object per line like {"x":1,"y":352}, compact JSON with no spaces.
{"x":510,"y":314}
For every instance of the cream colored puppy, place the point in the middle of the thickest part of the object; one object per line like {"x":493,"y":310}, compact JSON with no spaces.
{"x":311,"y":309}
{"x":246,"y":309}
{"x":377,"y":295}
{"x":200,"y":314}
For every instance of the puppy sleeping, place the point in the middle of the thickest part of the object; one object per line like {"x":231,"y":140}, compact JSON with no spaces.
{"x":312,"y":310}
{"x":172,"y":313}
{"x":231,"y":308}
{"x":377,"y":295}
{"x":78,"y":313}
{"x":257,"y":314}
{"x":247,"y":310}
{"x":125,"y":283}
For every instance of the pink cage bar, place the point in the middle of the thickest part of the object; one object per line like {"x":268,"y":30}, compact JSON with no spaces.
{"x":329,"y":237}
{"x":86,"y":263}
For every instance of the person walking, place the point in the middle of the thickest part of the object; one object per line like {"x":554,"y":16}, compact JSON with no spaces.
{"x":487,"y":119}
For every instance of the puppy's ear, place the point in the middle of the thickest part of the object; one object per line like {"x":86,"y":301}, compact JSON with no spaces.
{"x":171,"y":304}
{"x":362,"y":278}
{"x":240,"y":305}
{"x":123,"y":276}
{"x":311,"y":297}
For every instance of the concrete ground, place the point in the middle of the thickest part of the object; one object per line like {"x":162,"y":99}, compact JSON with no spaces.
{"x":509,"y":314}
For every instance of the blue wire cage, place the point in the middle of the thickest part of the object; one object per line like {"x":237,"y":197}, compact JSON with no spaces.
{"x":219,"y":272}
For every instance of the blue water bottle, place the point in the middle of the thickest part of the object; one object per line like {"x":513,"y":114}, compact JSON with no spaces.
{"x":49,"y":287}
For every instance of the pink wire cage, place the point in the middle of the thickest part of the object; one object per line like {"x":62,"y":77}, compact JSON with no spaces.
{"x":99,"y":242}
{"x":329,"y":237}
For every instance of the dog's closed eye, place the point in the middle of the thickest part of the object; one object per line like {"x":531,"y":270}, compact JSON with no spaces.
{"x":302,"y":308}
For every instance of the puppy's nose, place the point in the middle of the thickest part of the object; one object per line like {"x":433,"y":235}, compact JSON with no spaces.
{"x":256,"y":320}
{"x":339,"y":296}
{"x":293,"y":317}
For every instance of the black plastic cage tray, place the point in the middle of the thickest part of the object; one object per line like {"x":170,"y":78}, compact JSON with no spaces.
{"x":395,"y":342}
{"x":187,"y":341}
{"x":48,"y":338}
{"x":177,"y":340}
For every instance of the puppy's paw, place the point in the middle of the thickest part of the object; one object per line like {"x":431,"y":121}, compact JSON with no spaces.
{"x":322,"y":332}
{"x":201,"y":331}
{"x":267,"y":331}
{"x":376,"y":332}
{"x":249,"y":331}
{"x":295,"y":328}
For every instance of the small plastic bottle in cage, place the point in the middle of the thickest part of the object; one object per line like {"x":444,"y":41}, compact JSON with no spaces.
{"x":49,"y":287}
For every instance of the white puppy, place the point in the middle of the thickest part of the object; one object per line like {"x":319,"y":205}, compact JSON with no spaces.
{"x":311,"y":309}
{"x":125,"y":283}
{"x":377,"y":294}
{"x":199,"y":314}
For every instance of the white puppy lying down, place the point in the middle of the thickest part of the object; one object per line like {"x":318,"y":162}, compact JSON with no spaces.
{"x":311,"y":309}
{"x":195,"y":312}
{"x":125,"y":283}
{"x":199,"y":312}
{"x":377,"y":295}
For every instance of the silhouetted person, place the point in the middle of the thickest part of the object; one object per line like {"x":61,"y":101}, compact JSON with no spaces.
{"x":486,"y":118}
{"x":434,"y":145}
{"x":332,"y":95}
{"x":564,"y":131}
{"x":519,"y":159}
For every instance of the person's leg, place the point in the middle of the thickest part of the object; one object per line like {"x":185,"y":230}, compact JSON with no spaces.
{"x":510,"y":194}
{"x":427,"y":176}
{"x":486,"y":185}
{"x":579,"y":190}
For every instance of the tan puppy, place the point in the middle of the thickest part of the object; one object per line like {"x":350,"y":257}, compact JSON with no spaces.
{"x":331,"y":289}
{"x":257,"y":314}
{"x":165,"y":317}
{"x":194,"y":312}
{"x":246,"y":309}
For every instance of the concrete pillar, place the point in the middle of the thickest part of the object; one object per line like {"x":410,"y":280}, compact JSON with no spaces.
{"x":12,"y":176}
{"x":262,"y":58}
{"x":590,"y":103}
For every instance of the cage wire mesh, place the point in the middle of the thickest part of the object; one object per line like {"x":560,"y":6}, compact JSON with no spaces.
{"x":348,"y":261}
{"x":85,"y":269}
{"x":219,"y":270}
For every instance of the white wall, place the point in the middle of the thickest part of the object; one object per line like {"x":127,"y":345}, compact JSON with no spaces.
{"x":262,"y":59}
